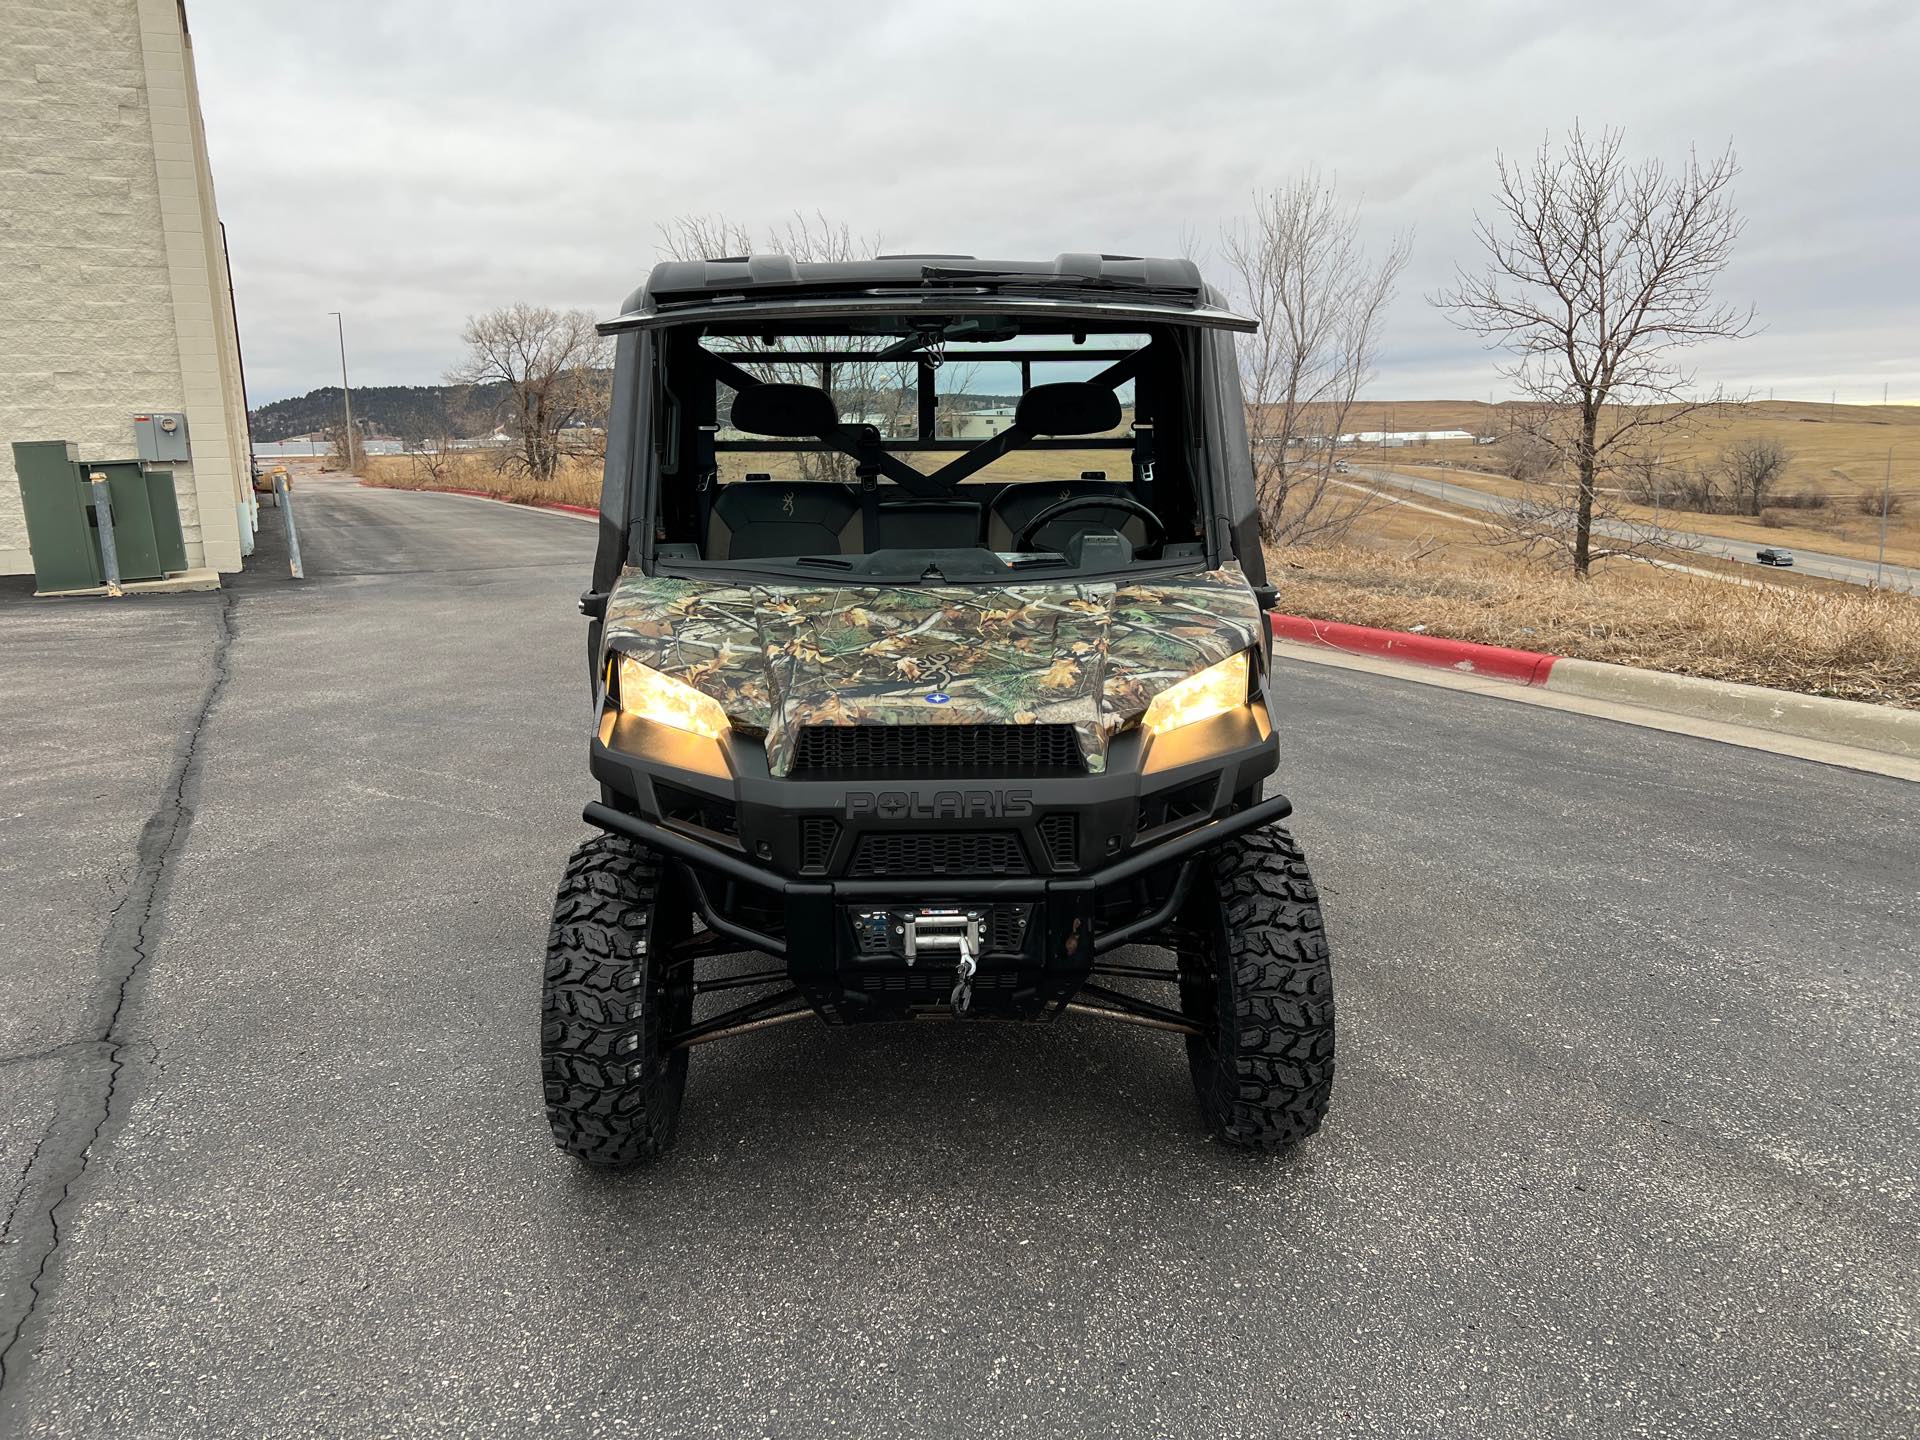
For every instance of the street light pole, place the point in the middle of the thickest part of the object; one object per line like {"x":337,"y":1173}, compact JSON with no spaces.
{"x":346,"y":395}
{"x":1886,"y":503}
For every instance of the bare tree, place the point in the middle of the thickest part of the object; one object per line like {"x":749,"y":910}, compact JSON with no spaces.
{"x":1304,"y":274}
{"x":1646,"y":477}
{"x":1599,"y":273}
{"x":345,"y":452}
{"x":1879,"y":500}
{"x":435,"y":443}
{"x":874,"y":392}
{"x":1543,"y":521}
{"x":1753,"y":467}
{"x":550,"y":364}
{"x":704,"y":237}
{"x":1523,"y":456}
{"x":810,"y":239}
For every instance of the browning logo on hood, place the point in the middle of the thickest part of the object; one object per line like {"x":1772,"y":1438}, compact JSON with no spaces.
{"x":780,"y":657}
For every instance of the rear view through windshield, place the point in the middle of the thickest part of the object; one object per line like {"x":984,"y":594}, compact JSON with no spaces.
{"x":973,"y":434}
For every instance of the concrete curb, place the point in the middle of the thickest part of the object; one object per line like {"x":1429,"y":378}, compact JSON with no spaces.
{"x":179,"y":583}
{"x":1882,"y":728}
{"x":1525,"y":667}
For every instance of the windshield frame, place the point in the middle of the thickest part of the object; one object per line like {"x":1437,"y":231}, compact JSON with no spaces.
{"x":1196,"y":353}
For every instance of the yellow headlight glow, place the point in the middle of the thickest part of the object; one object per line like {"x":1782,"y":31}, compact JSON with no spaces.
{"x":1214,"y":691}
{"x":660,"y":698}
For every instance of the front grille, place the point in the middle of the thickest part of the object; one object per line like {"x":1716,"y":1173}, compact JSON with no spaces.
{"x":953,"y":852}
{"x":817,"y":834}
{"x":1061,"y":837}
{"x":900,"y":749}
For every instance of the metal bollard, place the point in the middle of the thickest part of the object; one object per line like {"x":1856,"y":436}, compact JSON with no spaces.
{"x":103,"y":517}
{"x":283,"y":497}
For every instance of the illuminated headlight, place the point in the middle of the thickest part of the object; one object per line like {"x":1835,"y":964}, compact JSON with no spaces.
{"x":666,"y":701}
{"x":1214,"y":691}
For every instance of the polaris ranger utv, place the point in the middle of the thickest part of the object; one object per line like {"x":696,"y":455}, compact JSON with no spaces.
{"x":928,"y":645}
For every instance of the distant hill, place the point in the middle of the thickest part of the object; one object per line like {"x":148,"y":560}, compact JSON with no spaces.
{"x":409,"y":411}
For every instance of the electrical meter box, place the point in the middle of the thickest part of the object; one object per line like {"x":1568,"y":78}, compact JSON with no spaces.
{"x":161,"y":435}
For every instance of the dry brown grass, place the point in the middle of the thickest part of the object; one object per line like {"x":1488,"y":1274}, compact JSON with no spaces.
{"x":1837,"y":451}
{"x":578,"y":482}
{"x":1854,"y":644}
{"x":1823,"y":439}
{"x":1839,"y":529}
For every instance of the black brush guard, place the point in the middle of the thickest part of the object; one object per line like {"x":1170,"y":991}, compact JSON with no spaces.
{"x":815,"y":908}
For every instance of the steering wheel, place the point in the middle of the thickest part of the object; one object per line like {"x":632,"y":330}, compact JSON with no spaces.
{"x":1156,"y":532}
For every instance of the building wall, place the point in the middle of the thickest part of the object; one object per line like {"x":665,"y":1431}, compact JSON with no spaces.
{"x":113,"y":279}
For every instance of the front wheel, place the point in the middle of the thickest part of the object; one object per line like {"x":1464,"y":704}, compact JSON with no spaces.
{"x":612,"y":1000}
{"x":1255,"y":976}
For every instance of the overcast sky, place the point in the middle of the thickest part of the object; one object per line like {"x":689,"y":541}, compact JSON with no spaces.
{"x":411,"y":164}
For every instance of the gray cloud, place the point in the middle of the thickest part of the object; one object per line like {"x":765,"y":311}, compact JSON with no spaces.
{"x":411,"y":165}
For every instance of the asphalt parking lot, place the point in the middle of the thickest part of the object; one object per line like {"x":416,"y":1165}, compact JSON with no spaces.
{"x":1623,"y":1139}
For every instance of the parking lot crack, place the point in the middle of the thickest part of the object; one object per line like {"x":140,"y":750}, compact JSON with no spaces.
{"x":98,"y":1057}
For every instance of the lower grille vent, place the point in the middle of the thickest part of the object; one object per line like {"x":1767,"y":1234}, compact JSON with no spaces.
{"x":1008,"y":929}
{"x":938,"y":983}
{"x":817,"y":834}
{"x":1061,"y":837}
{"x":700,"y":810}
{"x":951,"y":852}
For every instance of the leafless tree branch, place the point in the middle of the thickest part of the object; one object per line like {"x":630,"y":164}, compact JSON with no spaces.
{"x":1304,"y":274}
{"x":553,"y":367}
{"x":1598,"y":276}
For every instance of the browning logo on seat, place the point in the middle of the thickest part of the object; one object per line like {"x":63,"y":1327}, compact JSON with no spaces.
{"x":780,"y":657}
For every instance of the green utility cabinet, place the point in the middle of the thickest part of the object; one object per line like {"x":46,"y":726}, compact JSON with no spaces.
{"x":53,"y":492}
{"x":62,"y":528}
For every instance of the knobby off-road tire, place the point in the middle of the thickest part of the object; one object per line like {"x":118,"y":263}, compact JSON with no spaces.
{"x":613,"y":1088}
{"x":1261,"y":987}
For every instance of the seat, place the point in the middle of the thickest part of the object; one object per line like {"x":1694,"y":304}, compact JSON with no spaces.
{"x":1014,"y":507}
{"x":926,"y":525}
{"x":761,"y":520}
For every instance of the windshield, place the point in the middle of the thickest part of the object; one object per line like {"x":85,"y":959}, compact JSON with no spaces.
{"x":947,"y":449}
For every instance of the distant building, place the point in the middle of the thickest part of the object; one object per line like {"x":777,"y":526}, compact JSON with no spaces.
{"x":1391,"y":438}
{"x":982,"y":424}
{"x":115,"y":299}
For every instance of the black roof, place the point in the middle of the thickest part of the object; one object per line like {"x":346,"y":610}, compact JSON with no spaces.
{"x":675,"y":282}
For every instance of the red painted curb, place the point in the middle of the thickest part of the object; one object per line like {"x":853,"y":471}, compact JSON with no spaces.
{"x":483,"y":495}
{"x":1523,"y":666}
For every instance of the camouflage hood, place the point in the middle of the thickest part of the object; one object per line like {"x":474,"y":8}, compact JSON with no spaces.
{"x":782,"y":657}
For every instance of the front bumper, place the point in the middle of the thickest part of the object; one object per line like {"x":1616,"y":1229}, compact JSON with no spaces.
{"x":742,"y":838}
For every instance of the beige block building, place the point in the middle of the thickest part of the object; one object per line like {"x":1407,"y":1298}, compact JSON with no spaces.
{"x":114,"y":291}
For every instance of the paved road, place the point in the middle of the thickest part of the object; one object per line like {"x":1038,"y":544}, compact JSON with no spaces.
{"x":1623,"y":1139}
{"x":1806,"y":562}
